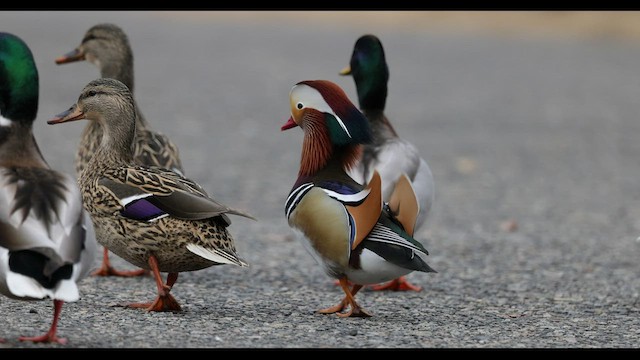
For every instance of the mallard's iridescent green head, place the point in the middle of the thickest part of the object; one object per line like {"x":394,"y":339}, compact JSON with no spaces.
{"x":370,"y":72}
{"x":18,"y":80}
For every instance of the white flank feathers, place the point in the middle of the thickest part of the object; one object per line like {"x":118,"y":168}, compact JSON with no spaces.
{"x":212,"y":255}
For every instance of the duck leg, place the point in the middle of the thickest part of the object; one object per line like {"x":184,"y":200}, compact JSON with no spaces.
{"x":356,"y":310}
{"x":107,"y":270}
{"x":399,"y":284}
{"x":50,"y":336}
{"x":165,"y":301}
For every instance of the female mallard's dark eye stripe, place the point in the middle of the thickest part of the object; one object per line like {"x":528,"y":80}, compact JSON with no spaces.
{"x":91,"y":93}
{"x":89,"y":37}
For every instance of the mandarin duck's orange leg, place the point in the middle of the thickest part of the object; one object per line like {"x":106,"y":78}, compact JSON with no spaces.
{"x":165,"y":301}
{"x":356,"y":310}
{"x":50,"y":336}
{"x":107,"y":270}
{"x":399,"y":284}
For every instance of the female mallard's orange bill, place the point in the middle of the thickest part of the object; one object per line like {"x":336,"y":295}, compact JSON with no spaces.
{"x":71,"y":56}
{"x":72,"y":114}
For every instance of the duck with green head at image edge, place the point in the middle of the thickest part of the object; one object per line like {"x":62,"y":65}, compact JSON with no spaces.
{"x":152,"y":217}
{"x":390,"y":155}
{"x":47,"y":243}
{"x":347,"y":228}
{"x":107,"y":47}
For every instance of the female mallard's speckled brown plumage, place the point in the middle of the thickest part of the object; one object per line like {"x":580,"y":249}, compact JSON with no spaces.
{"x":390,"y":155}
{"x":107,"y":46}
{"x":152,"y":217}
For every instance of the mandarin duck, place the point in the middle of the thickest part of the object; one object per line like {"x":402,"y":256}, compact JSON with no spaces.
{"x":346,"y":227}
{"x":47,"y":243}
{"x":152,"y":217}
{"x":107,"y":47}
{"x":390,"y":155}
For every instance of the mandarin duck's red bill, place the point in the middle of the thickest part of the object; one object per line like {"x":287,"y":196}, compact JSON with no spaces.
{"x":350,"y":233}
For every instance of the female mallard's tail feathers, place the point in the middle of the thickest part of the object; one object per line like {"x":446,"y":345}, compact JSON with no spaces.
{"x":216,"y":255}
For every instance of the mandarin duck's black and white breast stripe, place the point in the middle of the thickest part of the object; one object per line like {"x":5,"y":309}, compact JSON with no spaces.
{"x":152,"y":217}
{"x":47,"y":242}
{"x":345,"y":225}
{"x":390,"y":155}
{"x":107,"y":47}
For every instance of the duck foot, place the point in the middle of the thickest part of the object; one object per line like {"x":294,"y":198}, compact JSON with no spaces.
{"x":399,"y":284}
{"x":355,"y":312}
{"x":107,"y":270}
{"x":165,"y":301}
{"x":348,"y":300}
{"x":50,"y":336}
{"x":161,"y":304}
{"x":46,"y":338}
{"x":335,"y":308}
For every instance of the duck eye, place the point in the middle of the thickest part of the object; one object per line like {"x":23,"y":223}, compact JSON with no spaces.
{"x":300,"y":106}
{"x":91,"y":93}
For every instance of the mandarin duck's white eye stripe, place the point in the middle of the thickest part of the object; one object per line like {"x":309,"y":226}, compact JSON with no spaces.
{"x":314,"y":100}
{"x":4,"y":121}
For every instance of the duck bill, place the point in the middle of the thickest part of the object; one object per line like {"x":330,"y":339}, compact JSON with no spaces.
{"x":72,"y":56}
{"x":290,"y":124}
{"x":72,"y":114}
{"x":345,"y":71}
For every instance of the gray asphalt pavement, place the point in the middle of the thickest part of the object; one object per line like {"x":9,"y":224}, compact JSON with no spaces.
{"x":542,"y":133}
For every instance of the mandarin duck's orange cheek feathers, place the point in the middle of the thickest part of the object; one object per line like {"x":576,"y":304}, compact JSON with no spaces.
{"x":346,"y":124}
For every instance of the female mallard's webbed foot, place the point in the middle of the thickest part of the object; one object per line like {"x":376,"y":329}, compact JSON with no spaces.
{"x":107,"y":270}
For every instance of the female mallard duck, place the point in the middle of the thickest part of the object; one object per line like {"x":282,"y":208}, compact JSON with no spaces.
{"x":107,"y":46}
{"x":152,"y":217}
{"x":346,"y":227}
{"x":46,"y":241}
{"x":392,"y":156}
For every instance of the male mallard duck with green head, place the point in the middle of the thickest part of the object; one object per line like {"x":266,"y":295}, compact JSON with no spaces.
{"x":390,"y":155}
{"x":46,"y":239}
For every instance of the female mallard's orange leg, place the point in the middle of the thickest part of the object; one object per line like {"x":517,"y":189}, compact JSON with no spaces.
{"x":356,"y":310}
{"x":399,"y":284}
{"x":165,"y":301}
{"x":50,"y":336}
{"x":107,"y":270}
